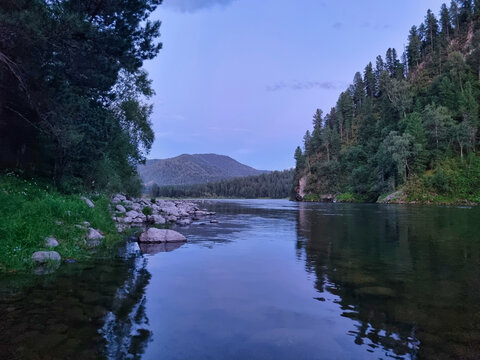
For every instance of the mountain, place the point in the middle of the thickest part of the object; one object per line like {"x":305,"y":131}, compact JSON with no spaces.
{"x":193,"y":169}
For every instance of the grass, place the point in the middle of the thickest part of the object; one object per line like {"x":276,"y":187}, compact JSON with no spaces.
{"x":453,"y":181}
{"x":31,"y":211}
{"x":350,"y":197}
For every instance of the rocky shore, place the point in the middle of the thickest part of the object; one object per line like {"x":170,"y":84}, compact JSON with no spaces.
{"x":144,"y":213}
{"x":152,"y":217}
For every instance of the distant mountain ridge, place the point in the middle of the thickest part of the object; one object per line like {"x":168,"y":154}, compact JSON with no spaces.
{"x":189,"y":169}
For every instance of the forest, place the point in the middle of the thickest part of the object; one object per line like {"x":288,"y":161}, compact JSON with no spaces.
{"x":274,"y":185}
{"x":73,"y":94}
{"x":409,"y":121}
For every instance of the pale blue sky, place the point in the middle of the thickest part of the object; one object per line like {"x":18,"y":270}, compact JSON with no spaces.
{"x":244,"y":77}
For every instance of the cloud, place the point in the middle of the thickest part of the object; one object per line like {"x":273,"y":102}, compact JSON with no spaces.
{"x":191,"y":6}
{"x":302,"y":85}
{"x":337,"y":25}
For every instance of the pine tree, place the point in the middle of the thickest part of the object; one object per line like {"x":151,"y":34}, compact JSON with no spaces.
{"x":414,"y":48}
{"x":369,"y":80}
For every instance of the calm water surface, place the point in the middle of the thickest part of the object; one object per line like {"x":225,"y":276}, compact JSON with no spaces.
{"x":272,"y":280}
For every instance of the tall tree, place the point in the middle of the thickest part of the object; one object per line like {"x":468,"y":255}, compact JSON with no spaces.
{"x":414,"y":48}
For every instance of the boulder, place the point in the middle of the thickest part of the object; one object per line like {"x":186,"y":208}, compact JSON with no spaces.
{"x":88,"y":202}
{"x":154,"y":235}
{"x":51,"y":242}
{"x":120,"y":208}
{"x":94,"y":234}
{"x":157,"y":219}
{"x":44,"y":256}
{"x":118,"y":198}
{"x":184,"y":222}
{"x":172,"y":218}
{"x":132,"y":214}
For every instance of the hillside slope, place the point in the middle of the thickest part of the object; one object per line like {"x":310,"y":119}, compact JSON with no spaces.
{"x":408,"y":122}
{"x":193,"y":169}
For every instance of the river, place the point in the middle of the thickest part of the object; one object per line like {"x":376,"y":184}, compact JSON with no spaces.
{"x":272,"y":280}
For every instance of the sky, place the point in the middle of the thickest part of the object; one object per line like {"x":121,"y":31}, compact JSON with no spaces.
{"x":243,"y":78}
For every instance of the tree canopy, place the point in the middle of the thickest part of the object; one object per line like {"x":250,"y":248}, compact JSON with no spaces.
{"x":73,"y":92}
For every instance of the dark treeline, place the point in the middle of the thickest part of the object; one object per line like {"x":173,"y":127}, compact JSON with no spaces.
{"x":409,"y":118}
{"x":72,"y":90}
{"x":275,"y":185}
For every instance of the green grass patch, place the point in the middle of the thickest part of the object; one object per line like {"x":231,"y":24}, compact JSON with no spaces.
{"x":452,"y":181}
{"x":350,"y":197}
{"x":311,"y":198}
{"x":31,"y":211}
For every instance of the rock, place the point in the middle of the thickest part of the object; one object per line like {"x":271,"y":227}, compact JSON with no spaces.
{"x":154,"y":235}
{"x":94,"y":234}
{"x":88,"y":202}
{"x":395,"y":197}
{"x":172,"y":218}
{"x":42,"y":257}
{"x":86,"y":223}
{"x":93,"y":243}
{"x":132,"y":214}
{"x":120,"y":228}
{"x":157,"y":219}
{"x":184,"y":222}
{"x":118,"y":198}
{"x":58,"y":222}
{"x":51,"y":242}
{"x":120,"y":208}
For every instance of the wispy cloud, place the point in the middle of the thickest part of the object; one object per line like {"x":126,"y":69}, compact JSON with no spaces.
{"x":337,"y":25}
{"x":302,"y":85}
{"x":195,"y":5}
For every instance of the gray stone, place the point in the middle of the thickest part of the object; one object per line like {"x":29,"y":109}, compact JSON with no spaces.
{"x":154,"y":235}
{"x":172,"y":218}
{"x":51,"y":242}
{"x":132,"y":214}
{"x":94,"y":234}
{"x":88,"y":202}
{"x":157,"y":219}
{"x":44,"y":256}
{"x":184,"y":222}
{"x":120,"y":208}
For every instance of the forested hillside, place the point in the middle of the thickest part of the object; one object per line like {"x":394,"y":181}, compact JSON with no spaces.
{"x":73,"y":92}
{"x":408,"y":120}
{"x":189,"y":169}
{"x":275,"y":185}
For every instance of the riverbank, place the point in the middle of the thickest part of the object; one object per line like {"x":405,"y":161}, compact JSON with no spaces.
{"x":35,"y":217}
{"x":41,"y":228}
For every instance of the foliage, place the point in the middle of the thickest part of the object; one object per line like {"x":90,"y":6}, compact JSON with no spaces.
{"x":147,"y":210}
{"x":275,"y":185}
{"x":32,"y":211}
{"x":72,"y":90}
{"x":404,"y":118}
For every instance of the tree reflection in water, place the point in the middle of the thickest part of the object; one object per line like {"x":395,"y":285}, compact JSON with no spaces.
{"x":409,"y":277}
{"x":126,"y":325}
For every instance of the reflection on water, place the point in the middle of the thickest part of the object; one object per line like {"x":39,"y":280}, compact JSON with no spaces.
{"x":272,"y":280}
{"x":408,"y":276}
{"x":91,"y":311}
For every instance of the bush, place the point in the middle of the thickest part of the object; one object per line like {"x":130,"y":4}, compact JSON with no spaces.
{"x":147,"y":210}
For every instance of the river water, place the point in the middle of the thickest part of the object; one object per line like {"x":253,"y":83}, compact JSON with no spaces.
{"x":272,"y":280}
